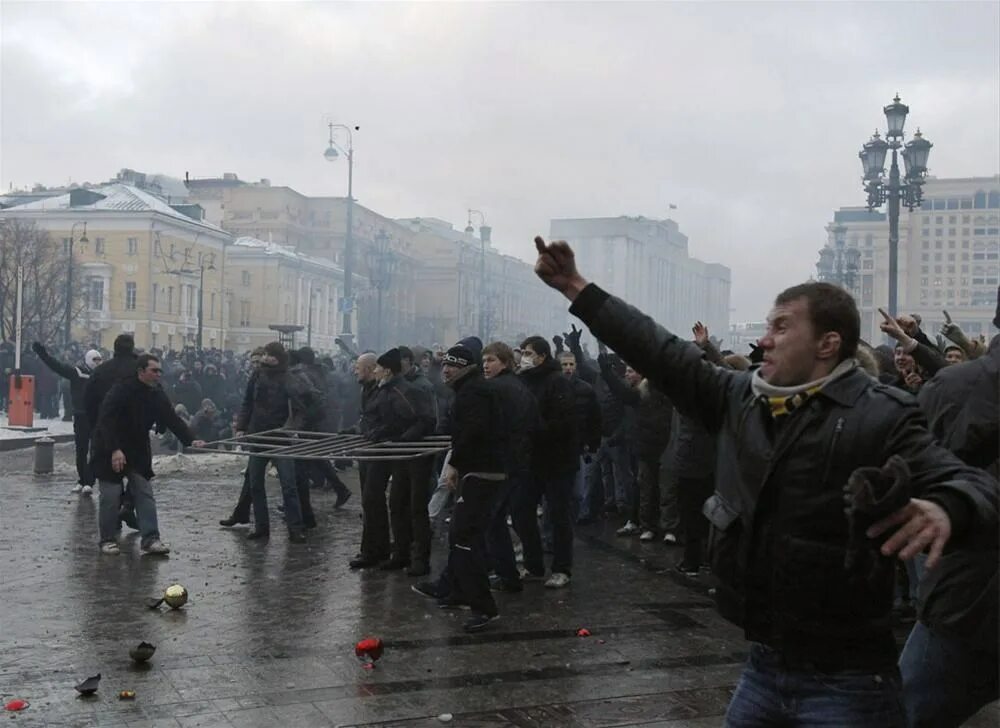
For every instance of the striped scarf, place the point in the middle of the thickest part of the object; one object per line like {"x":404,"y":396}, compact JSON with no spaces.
{"x":785,"y":400}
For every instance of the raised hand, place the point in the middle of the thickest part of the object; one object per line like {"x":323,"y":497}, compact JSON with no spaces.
{"x":891,"y":327}
{"x":573,"y":337}
{"x":556,"y":266}
{"x":700,"y":332}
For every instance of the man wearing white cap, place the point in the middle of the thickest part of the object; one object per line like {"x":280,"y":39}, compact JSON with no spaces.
{"x":78,"y":377}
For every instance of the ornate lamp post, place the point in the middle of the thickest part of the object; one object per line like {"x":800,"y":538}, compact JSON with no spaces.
{"x":381,"y":262}
{"x":332,"y":153}
{"x":895,"y":191}
{"x":839,"y":264}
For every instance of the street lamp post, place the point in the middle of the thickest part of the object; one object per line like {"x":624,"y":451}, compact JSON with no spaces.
{"x":333,"y":151}
{"x":67,"y":332}
{"x":205,"y":262}
{"x":839,"y":264}
{"x":484,"y":239}
{"x":896,"y":191}
{"x":309,"y":316}
{"x":381,"y":265}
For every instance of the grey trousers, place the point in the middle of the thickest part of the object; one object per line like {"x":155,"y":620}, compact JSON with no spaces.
{"x":145,"y":509}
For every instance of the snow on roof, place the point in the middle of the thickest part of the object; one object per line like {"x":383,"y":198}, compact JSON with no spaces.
{"x":283,"y":251}
{"x":117,"y":198}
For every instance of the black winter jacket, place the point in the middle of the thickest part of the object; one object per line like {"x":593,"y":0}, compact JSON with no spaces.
{"x":402,"y":412}
{"x":127,"y":414}
{"x":779,"y":528}
{"x":555,"y":450}
{"x":960,"y":595}
{"x":653,"y":414}
{"x":276,"y":398}
{"x":588,"y":414}
{"x":521,"y":419}
{"x":78,"y":376}
{"x":480,"y":436}
{"x":118,"y":369}
{"x":612,"y":409}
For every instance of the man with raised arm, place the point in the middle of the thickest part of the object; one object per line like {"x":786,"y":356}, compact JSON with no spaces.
{"x":823,"y":475}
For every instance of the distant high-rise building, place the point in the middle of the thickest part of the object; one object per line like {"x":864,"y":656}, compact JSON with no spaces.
{"x":949,"y":256}
{"x":647,"y":263}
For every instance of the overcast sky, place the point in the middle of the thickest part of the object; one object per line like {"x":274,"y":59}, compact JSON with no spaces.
{"x":747,"y":116}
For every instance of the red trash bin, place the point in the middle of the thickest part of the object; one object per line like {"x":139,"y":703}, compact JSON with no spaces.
{"x":21,"y":410}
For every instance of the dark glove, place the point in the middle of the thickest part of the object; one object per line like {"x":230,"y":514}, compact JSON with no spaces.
{"x":573,"y":337}
{"x":604,"y":362}
{"x":38,"y":348}
{"x":870,"y":495}
{"x":558,"y":341}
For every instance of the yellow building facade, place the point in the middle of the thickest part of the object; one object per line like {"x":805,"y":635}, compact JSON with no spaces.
{"x":145,"y":266}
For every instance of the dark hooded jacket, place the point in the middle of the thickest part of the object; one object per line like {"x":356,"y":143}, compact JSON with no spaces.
{"x":276,"y":398}
{"x":653,"y":414}
{"x":130,"y":410}
{"x":588,"y":414}
{"x":780,"y":535}
{"x":555,"y":449}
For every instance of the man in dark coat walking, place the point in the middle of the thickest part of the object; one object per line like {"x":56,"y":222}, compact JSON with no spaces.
{"x":121,"y":448}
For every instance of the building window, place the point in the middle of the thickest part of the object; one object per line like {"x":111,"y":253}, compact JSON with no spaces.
{"x":925,"y":256}
{"x":170,"y":299}
{"x":951,"y":232}
{"x":99,"y":246}
{"x":97,"y":294}
{"x":923,"y":281}
{"x":246,"y":278}
{"x":926,"y":233}
{"x":133,"y":246}
{"x":939,"y":220}
{"x":925,"y":269}
{"x":244,"y":313}
{"x":938,"y":232}
{"x":130,"y":296}
{"x":951,"y":256}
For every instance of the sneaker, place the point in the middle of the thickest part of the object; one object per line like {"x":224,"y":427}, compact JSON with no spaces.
{"x":629,"y":529}
{"x":427,"y":589}
{"x":477,"y":622}
{"x":156,"y":547}
{"x":528,"y":576}
{"x":86,"y":490}
{"x":394,"y":563}
{"x":452,"y":603}
{"x":647,"y":536}
{"x":364,"y":562}
{"x":76,"y":488}
{"x":110,"y":548}
{"x":670,"y":538}
{"x":557,"y":581}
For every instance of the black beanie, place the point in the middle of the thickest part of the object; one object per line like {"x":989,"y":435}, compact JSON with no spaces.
{"x":460,"y":356}
{"x":307,"y":355}
{"x":391,"y":360}
{"x":124,"y":344}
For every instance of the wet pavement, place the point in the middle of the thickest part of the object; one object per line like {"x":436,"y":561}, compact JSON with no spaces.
{"x":267,"y":637}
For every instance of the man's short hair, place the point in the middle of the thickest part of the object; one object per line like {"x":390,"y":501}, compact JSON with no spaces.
{"x":405,"y":352}
{"x":143,"y":361}
{"x":538,"y":345}
{"x":567,"y":355}
{"x":501,"y":351}
{"x":831,"y":308}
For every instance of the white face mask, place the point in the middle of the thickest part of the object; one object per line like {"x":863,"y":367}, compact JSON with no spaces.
{"x":527,"y":362}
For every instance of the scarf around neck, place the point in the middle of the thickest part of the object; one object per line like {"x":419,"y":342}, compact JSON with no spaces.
{"x":785,"y":400}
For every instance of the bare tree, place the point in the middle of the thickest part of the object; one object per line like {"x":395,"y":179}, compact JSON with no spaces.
{"x":46,"y":268}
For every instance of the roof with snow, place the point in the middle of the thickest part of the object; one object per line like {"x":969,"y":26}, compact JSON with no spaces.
{"x":110,"y":198}
{"x":250,"y":244}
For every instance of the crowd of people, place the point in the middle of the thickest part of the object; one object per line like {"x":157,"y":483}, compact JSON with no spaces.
{"x":793,"y":474}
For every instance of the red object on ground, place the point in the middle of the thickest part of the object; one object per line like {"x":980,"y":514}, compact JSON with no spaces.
{"x":21,"y":406}
{"x":16,"y":704}
{"x":370,"y":648}
{"x":583,"y":632}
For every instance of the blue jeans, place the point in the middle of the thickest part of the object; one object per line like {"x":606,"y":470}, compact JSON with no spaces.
{"x":770,"y":695}
{"x":616,"y":472}
{"x":289,"y":492}
{"x":109,"y":522}
{"x":945,"y":681}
